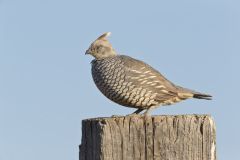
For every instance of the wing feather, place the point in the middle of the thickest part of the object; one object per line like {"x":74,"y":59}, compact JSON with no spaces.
{"x":144,"y":76}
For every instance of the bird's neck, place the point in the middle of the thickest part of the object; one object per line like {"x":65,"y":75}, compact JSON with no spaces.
{"x":106,"y":55}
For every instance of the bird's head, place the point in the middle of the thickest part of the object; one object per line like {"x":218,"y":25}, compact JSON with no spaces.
{"x":101,"y":48}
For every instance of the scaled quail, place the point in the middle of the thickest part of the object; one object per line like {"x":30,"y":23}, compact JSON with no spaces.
{"x":131,"y":82}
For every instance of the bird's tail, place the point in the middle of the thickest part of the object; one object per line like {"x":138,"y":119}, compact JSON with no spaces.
{"x":202,"y":96}
{"x":187,"y":93}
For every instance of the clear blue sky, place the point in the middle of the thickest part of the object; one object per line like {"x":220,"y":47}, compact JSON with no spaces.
{"x":46,"y":87}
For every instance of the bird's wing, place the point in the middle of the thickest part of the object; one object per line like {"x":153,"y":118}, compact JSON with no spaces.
{"x":144,"y":76}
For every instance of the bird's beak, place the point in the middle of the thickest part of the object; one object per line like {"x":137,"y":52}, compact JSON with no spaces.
{"x":86,"y":52}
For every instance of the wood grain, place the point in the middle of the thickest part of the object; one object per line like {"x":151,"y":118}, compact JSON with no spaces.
{"x":177,"y":137}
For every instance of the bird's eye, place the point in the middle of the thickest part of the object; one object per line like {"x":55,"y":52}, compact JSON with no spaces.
{"x":100,"y":48}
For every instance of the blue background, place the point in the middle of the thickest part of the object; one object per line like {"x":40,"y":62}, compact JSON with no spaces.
{"x":46,"y":87}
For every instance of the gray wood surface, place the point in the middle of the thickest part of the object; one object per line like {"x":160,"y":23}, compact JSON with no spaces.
{"x":178,"y":137}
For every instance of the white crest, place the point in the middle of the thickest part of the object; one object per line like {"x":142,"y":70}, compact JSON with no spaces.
{"x":105,"y":35}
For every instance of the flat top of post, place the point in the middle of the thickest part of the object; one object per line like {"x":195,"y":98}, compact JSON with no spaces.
{"x":152,"y":116}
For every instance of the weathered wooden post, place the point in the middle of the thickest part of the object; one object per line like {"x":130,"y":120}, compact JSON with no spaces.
{"x":180,"y":137}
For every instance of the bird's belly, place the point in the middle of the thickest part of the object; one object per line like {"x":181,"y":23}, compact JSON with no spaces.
{"x":122,"y":91}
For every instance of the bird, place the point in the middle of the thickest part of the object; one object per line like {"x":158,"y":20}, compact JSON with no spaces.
{"x":131,"y":82}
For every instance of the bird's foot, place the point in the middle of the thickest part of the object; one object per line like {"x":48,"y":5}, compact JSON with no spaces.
{"x":146,"y":115}
{"x":116,"y":116}
{"x":147,"y":112}
{"x":133,"y":115}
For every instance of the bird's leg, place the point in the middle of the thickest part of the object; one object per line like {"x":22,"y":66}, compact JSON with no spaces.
{"x":146,"y":113}
{"x":138,"y":111}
